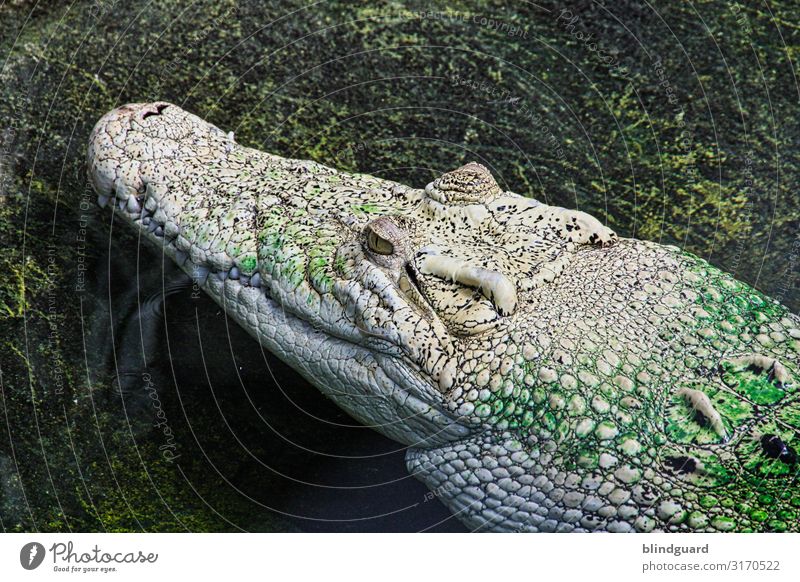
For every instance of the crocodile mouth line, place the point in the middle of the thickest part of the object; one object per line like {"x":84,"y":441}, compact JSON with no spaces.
{"x":135,"y":209}
{"x":155,"y":233}
{"x":408,"y":284}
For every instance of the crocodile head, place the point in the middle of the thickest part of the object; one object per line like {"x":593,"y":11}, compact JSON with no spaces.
{"x":546,"y":374}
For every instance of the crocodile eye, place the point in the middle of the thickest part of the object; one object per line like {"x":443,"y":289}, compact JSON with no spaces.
{"x":378,"y":244}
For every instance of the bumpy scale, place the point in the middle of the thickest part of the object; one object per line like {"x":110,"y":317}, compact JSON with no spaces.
{"x":546,"y":375}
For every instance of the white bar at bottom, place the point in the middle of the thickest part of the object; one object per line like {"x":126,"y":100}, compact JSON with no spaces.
{"x":406,"y":557}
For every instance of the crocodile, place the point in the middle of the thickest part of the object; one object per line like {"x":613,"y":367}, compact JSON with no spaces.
{"x":545,"y":374}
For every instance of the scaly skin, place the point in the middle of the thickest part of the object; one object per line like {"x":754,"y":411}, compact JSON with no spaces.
{"x":545,"y":375}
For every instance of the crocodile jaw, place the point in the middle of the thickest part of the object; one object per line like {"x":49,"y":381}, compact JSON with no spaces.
{"x":357,"y":369}
{"x":620,"y":387}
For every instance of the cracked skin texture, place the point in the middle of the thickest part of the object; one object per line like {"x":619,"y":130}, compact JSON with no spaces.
{"x":546,"y":375}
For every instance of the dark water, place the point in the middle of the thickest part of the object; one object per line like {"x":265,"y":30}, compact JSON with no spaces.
{"x":262,"y":433}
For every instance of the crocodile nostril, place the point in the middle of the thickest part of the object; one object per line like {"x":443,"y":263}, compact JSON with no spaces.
{"x":773,"y":447}
{"x":159,"y":107}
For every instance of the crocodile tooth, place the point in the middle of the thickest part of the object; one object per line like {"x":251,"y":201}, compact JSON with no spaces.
{"x":197,"y":255}
{"x":146,"y":220}
{"x":255,"y":280}
{"x":151,"y":204}
{"x":171,"y":229}
{"x":200,"y":275}
{"x":159,"y":231}
{"x":222,"y":275}
{"x":183,"y":244}
{"x":234,"y":273}
{"x":152,"y":226}
{"x":133,"y":205}
{"x":102,"y":201}
{"x":121,"y":204}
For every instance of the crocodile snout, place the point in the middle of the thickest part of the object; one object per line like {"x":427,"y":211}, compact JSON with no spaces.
{"x":138,"y":112}
{"x":106,"y":155}
{"x":119,"y":143}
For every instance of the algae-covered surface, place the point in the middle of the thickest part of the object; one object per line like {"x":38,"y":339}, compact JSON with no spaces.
{"x":130,"y":403}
